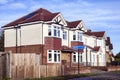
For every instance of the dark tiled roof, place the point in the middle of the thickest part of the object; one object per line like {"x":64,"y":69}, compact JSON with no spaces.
{"x":73,"y":24}
{"x":97,"y":34}
{"x":38,"y":15}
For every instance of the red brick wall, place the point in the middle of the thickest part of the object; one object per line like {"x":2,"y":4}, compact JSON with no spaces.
{"x":26,"y":49}
{"x":53,"y":43}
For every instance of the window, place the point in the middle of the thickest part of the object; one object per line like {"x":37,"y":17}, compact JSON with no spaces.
{"x":75,"y":57}
{"x":79,"y":36}
{"x":74,"y":35}
{"x":64,"y":35}
{"x":53,"y":56}
{"x":49,"y":31}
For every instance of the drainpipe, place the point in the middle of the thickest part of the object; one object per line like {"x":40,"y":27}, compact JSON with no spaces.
{"x":42,"y":43}
{"x":86,"y":58}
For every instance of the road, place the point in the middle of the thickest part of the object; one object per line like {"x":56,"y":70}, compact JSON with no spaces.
{"x":102,"y":76}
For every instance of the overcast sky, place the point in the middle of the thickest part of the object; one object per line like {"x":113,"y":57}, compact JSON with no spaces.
{"x":98,"y":15}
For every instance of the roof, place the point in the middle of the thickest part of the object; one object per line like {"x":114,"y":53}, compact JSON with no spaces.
{"x":97,"y":34}
{"x":96,"y":48}
{"x":67,"y":49}
{"x":73,"y":24}
{"x":38,"y":15}
{"x":108,"y":43}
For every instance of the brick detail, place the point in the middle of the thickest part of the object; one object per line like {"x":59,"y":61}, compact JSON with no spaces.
{"x":53,"y":43}
{"x":26,"y":49}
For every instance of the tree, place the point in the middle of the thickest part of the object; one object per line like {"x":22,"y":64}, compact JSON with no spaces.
{"x":2,"y":41}
{"x":117,"y":57}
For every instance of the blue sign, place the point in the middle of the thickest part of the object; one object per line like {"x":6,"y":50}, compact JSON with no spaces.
{"x":78,"y":47}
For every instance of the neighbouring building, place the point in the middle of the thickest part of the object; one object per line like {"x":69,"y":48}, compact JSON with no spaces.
{"x":51,"y":36}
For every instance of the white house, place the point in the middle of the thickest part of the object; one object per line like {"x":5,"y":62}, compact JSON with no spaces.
{"x":50,"y":35}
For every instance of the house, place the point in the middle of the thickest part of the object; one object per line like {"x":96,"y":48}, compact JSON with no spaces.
{"x":51,"y":36}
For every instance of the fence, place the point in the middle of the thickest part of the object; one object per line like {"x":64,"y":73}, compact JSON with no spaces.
{"x":27,"y":65}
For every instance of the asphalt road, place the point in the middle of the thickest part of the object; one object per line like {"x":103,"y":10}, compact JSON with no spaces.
{"x":102,"y":76}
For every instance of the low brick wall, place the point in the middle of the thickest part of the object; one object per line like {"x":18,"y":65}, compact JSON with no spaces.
{"x":113,"y":68}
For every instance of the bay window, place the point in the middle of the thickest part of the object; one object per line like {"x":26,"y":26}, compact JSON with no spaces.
{"x":54,"y":31}
{"x":54,"y":56}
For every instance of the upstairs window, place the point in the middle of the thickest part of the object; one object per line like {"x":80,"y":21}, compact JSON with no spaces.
{"x":49,"y":31}
{"x":79,"y":36}
{"x":65,"y":35}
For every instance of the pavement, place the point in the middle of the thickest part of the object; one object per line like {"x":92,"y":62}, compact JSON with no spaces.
{"x":102,"y":75}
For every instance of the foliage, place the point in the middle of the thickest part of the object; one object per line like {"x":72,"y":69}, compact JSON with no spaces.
{"x":117,"y":57}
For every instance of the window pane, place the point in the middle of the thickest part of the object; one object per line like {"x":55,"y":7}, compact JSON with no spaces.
{"x":55,"y":32}
{"x":74,"y":58}
{"x":58,"y":57}
{"x":55,"y":57}
{"x":74,"y":37}
{"x":50,"y":57}
{"x":49,"y":30}
{"x":58,"y":33}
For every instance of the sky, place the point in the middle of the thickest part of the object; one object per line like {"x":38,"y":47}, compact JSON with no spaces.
{"x":97,"y":15}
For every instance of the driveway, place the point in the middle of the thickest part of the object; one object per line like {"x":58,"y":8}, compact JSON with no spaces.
{"x":102,"y":76}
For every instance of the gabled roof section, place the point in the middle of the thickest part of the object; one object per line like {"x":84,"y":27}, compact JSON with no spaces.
{"x":96,"y":34}
{"x":108,"y":43}
{"x":73,"y":24}
{"x":38,"y":15}
{"x":59,"y":20}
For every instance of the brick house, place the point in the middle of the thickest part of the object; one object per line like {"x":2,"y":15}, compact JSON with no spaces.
{"x":51,"y":36}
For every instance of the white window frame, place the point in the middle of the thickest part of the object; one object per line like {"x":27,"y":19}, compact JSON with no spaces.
{"x":53,"y":52}
{"x":64,"y":35}
{"x":78,"y":36}
{"x":54,"y":28}
{"x":76,"y":55}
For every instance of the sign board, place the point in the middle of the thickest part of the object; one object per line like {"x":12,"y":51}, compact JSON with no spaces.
{"x":78,"y":47}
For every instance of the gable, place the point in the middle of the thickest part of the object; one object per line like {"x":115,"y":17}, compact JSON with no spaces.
{"x":81,"y":26}
{"x":59,"y":20}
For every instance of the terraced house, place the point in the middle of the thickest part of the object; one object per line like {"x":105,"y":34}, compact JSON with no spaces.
{"x":53,"y":38}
